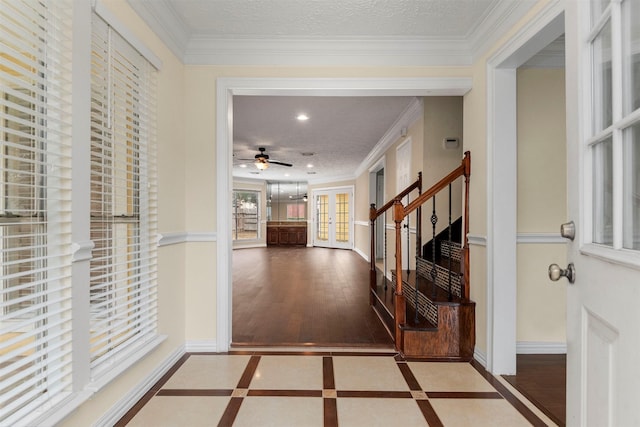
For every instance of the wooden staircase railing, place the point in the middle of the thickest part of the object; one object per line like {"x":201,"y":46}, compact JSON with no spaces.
{"x":374,"y":214}
{"x":453,"y":336}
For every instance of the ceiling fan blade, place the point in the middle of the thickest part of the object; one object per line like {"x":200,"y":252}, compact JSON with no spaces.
{"x":275,"y":162}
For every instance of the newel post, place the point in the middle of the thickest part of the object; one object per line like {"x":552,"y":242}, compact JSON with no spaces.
{"x":465,"y":249}
{"x":372,"y":254}
{"x":400,"y":303}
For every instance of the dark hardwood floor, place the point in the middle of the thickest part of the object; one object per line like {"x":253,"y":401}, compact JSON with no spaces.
{"x":303,"y":296}
{"x":541,"y":378}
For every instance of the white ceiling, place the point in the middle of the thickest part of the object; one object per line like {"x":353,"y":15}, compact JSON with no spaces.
{"x":341,"y":131}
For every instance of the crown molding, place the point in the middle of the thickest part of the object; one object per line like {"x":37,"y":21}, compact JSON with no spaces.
{"x":411,"y":114}
{"x":331,"y":179}
{"x":163,"y":20}
{"x":208,"y":50}
{"x":203,"y":50}
{"x":497,"y":21}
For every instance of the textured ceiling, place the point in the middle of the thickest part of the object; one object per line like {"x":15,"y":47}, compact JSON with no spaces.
{"x":329,"y":32}
{"x":332,"y":18}
{"x":340,"y":132}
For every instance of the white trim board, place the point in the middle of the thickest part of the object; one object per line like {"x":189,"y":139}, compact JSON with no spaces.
{"x":166,"y":239}
{"x":201,"y":346}
{"x":535,"y":347}
{"x":480,"y":356}
{"x":362,"y":254}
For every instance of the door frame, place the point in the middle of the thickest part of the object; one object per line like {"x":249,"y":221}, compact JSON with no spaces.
{"x":377,"y":197}
{"x":330,"y":190}
{"x":227,"y":88}
{"x":502,"y":175}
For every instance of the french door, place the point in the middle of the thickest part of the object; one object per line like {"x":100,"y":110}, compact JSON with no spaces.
{"x":333,"y":218}
{"x":603,"y":154}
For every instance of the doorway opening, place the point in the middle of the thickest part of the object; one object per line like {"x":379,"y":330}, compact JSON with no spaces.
{"x":227,"y":88}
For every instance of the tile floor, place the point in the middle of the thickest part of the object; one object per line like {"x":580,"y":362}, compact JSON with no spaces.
{"x":328,"y":388}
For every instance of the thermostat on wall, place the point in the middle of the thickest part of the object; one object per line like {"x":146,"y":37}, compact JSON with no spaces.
{"x":451,"y":143}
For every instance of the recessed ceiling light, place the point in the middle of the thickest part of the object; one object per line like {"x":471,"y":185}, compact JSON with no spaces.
{"x":287,"y":174}
{"x":302,"y":117}
{"x":243,"y":165}
{"x":309,"y":165}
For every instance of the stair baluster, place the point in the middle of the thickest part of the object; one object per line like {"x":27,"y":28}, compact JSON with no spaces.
{"x":384,"y":260}
{"x":450,"y":246}
{"x":434,"y":272}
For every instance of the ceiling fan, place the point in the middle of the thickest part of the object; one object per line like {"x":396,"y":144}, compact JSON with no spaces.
{"x":262,"y":161}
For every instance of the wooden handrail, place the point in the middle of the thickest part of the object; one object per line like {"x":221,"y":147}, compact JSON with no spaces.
{"x":463,"y":169}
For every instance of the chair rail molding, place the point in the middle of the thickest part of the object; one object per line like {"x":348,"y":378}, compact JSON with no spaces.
{"x":166,"y":239}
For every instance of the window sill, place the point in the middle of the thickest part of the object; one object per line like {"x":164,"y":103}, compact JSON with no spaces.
{"x":624,"y":257}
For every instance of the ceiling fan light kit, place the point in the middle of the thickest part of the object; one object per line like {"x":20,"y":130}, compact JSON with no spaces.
{"x":262,"y":165}
{"x":262,"y":161}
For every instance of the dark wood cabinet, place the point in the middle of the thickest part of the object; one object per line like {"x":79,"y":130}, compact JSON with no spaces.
{"x":282,"y":233}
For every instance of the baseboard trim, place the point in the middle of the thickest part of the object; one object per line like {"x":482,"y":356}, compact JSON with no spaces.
{"x":533,"y":347}
{"x":362,"y":254}
{"x":480,"y":357}
{"x":249,"y":246}
{"x":123,"y":406}
{"x":201,"y":346}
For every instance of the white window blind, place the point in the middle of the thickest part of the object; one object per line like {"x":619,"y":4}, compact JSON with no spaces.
{"x":123,"y":292}
{"x":35,"y":206}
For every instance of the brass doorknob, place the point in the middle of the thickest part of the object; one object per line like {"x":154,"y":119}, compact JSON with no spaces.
{"x":555,"y":272}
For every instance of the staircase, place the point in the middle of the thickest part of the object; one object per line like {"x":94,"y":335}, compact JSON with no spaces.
{"x":428,"y":310}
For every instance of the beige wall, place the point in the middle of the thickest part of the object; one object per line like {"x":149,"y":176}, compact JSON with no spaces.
{"x":171,"y":218}
{"x":475,"y":141}
{"x":362,"y":237}
{"x":415,"y":135}
{"x":442,"y":119}
{"x":186,"y":132}
{"x":541,"y":203}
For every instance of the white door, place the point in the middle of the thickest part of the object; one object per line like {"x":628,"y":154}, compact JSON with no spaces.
{"x":603,"y":157}
{"x":333,"y":218}
{"x":403,"y":180}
